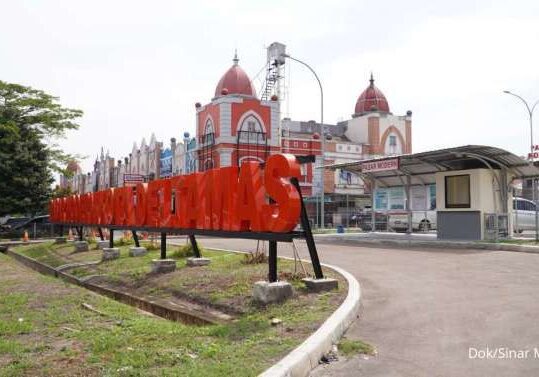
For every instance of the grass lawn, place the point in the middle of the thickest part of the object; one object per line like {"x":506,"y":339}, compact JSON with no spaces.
{"x":44,"y":329}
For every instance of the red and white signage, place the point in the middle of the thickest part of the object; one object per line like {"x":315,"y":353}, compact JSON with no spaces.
{"x":535,"y":154}
{"x":133,"y":178}
{"x":380,"y":165}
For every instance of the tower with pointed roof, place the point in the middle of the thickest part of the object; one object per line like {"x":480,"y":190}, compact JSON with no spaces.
{"x":236,"y":125}
{"x":373,"y":125}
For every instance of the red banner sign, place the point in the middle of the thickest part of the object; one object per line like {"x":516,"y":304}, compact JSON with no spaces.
{"x":218,"y":199}
{"x":381,"y":165}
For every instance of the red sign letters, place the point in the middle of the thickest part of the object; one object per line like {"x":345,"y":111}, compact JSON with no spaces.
{"x":218,"y":199}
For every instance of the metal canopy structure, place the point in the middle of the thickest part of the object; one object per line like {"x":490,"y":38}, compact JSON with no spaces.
{"x":419,"y":168}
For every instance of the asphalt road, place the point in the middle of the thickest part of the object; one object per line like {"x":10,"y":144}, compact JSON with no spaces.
{"x":427,"y":311}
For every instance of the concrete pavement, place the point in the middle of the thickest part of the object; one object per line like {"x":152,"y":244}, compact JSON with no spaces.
{"x":426,"y":311}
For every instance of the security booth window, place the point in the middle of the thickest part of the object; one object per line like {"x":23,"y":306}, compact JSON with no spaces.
{"x":457,"y":191}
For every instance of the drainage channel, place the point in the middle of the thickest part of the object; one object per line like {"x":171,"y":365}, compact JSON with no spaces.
{"x":185,"y":312}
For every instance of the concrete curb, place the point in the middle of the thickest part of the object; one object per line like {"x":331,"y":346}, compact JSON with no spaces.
{"x":404,"y":243}
{"x":304,"y":358}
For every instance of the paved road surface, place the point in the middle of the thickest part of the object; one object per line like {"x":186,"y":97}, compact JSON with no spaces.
{"x":424,"y":309}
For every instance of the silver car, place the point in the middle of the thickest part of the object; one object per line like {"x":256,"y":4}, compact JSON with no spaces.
{"x":523,"y":215}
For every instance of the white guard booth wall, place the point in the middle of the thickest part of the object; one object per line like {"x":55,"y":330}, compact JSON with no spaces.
{"x":464,"y":197}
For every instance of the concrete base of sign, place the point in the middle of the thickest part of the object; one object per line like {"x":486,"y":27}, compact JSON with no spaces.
{"x":80,"y":246}
{"x":268,"y":293}
{"x":162,"y":266}
{"x":102,"y":244}
{"x":110,"y":253}
{"x":320,"y":285}
{"x":137,"y":251}
{"x":60,"y":240}
{"x":197,"y":262}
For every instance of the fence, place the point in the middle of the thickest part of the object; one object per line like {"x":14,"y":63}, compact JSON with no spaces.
{"x":35,"y":230}
{"x":355,"y":214}
{"x":496,"y":226}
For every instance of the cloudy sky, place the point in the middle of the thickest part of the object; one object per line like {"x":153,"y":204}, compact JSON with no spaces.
{"x":139,"y":67}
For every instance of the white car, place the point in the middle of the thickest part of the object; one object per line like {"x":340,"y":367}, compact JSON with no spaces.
{"x":523,"y":215}
{"x":421,"y":220}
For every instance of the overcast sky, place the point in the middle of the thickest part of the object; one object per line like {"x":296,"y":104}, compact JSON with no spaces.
{"x":139,"y":67}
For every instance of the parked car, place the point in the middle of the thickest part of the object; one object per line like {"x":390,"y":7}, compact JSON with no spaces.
{"x":364,"y":220}
{"x":38,"y":226}
{"x":523,"y":215}
{"x":422,"y":221}
{"x":12,"y":223}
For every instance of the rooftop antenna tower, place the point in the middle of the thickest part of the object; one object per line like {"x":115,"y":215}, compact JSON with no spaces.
{"x":273,"y":84}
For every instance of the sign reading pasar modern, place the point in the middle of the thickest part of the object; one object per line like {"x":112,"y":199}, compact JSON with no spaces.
{"x":228,"y":199}
{"x":380,"y":165}
{"x":534,"y":154}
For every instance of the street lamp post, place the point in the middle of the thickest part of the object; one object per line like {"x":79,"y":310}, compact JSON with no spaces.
{"x":534,"y":195}
{"x":323,"y":136}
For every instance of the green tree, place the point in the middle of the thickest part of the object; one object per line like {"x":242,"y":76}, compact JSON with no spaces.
{"x":59,"y":192}
{"x":30,"y":122}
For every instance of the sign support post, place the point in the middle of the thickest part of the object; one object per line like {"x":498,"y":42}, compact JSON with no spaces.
{"x":111,"y":238}
{"x":79,"y":232}
{"x":135,"y":238}
{"x":194,"y":244}
{"x":163,"y":245}
{"x":308,"y":235}
{"x":272,"y":261}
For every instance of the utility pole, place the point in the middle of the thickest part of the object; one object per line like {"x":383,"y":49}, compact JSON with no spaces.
{"x":323,"y":135}
{"x":534,"y":184}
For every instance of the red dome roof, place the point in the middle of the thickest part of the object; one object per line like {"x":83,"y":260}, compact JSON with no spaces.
{"x":235,"y":81}
{"x":73,"y":166}
{"x":372,"y":99}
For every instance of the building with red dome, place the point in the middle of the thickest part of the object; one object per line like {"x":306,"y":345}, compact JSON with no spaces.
{"x":236,"y":125}
{"x":373,"y":125}
{"x":235,"y":81}
{"x":372,"y":99}
{"x":372,"y":131}
{"x":72,"y":177}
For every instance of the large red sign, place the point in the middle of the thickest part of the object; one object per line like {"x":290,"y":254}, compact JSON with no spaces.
{"x":218,"y":199}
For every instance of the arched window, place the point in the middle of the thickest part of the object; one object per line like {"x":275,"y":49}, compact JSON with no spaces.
{"x":252,"y":143}
{"x":207,"y":143}
{"x":209,"y":133}
{"x":251,"y":131}
{"x":208,"y":164}
{"x":250,"y":158}
{"x":392,"y":145}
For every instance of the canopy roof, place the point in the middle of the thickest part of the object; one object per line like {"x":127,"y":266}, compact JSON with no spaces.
{"x":420,"y":167}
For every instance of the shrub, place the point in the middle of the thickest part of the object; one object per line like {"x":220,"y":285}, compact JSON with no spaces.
{"x":123,"y":242}
{"x":256,"y":257}
{"x":185,"y":251}
{"x":151,"y":246}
